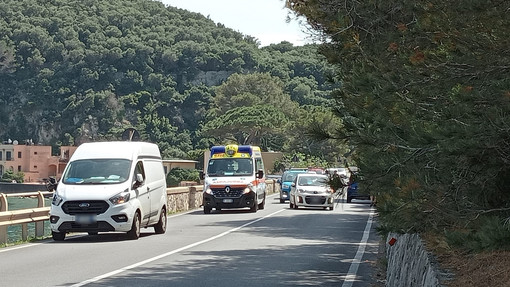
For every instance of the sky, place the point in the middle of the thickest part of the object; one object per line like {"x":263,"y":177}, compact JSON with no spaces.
{"x":261,"y":19}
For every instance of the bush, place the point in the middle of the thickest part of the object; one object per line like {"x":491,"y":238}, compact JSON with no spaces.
{"x":9,"y":176}
{"x":490,"y":233}
{"x":176,"y":175}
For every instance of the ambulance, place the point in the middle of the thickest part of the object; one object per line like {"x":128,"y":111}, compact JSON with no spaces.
{"x":234,"y":178}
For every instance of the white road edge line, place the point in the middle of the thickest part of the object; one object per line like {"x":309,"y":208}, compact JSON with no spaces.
{"x":18,"y":247}
{"x":353,"y":269}
{"x":109,"y":274}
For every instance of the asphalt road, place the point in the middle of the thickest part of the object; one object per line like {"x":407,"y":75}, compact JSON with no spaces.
{"x":277,"y":246}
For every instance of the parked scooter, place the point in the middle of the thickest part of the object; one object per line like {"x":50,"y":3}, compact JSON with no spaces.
{"x":51,"y":183}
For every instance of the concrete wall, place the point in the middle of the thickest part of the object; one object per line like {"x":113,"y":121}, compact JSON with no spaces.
{"x":409,"y":263}
{"x":6,"y":187}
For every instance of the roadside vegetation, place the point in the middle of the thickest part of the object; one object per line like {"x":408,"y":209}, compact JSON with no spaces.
{"x":425,"y":99}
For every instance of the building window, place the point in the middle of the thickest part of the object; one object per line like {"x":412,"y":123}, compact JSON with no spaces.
{"x":35,"y":152}
{"x":35,"y":166}
{"x":19,"y":168}
{"x":19,"y":154}
{"x":8,"y":155}
{"x":1,"y":156}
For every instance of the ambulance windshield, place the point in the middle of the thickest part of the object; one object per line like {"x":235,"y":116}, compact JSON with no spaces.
{"x":230,"y":167}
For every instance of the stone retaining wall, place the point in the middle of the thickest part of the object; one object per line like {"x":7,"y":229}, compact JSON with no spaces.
{"x":409,"y":263}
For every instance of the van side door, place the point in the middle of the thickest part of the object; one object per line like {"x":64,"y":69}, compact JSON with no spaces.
{"x":142,"y":192}
{"x":261,"y":182}
{"x":156,"y":184}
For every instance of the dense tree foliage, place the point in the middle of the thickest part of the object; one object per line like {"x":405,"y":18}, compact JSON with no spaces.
{"x":76,"y":71}
{"x":425,"y":98}
{"x":177,"y":175}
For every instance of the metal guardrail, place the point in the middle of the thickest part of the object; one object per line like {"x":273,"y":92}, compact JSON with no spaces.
{"x":38,"y":215}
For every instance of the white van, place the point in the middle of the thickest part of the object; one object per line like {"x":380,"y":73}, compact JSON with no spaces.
{"x":111,"y":186}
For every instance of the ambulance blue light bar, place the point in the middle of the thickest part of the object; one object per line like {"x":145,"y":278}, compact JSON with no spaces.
{"x":231,"y":150}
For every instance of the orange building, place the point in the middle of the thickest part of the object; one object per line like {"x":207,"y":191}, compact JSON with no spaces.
{"x":35,"y":161}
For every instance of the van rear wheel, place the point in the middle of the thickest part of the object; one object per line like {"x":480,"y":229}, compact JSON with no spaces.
{"x":134,"y":233}
{"x":160,"y":227}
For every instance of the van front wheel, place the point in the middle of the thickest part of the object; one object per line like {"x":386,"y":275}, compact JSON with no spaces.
{"x":134,"y":233}
{"x":160,"y":227}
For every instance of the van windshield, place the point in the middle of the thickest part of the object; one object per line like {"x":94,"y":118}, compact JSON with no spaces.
{"x":97,"y":171}
{"x":230,"y":167}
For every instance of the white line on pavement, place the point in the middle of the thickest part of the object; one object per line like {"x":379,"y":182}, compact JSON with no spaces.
{"x":353,"y":269}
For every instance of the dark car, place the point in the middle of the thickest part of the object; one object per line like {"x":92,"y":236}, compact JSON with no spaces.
{"x":354,"y":193}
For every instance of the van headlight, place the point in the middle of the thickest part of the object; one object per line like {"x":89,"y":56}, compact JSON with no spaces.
{"x":120,"y":198}
{"x":56,"y":200}
{"x":208,"y":190}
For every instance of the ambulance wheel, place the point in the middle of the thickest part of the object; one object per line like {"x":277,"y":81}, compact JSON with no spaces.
{"x":255,"y":206}
{"x":263,"y":204}
{"x":207,"y":210}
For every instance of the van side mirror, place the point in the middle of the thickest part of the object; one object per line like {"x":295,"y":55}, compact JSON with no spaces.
{"x":201,"y":175}
{"x":138,"y":180}
{"x":260,"y":173}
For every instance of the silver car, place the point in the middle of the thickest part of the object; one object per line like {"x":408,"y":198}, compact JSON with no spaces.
{"x":309,"y":189}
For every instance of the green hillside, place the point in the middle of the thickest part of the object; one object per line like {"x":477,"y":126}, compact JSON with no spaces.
{"x":78,"y":71}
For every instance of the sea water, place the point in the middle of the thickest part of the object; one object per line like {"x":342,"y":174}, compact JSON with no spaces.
{"x":14,"y":231}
